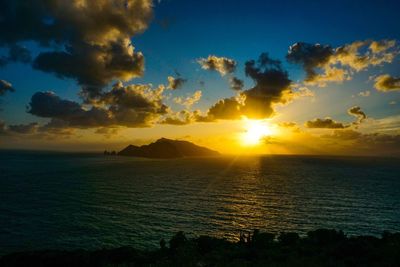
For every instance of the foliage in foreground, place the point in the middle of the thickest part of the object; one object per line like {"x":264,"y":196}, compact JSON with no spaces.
{"x":319,"y":248}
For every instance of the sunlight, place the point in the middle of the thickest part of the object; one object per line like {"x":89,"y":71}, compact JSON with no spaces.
{"x":255,"y":131}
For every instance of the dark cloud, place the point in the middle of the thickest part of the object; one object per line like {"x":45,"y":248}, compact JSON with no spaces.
{"x":329,"y":123}
{"x":387,"y":83}
{"x":5,"y":87}
{"x":93,"y":66}
{"x":141,"y":97}
{"x":16,"y":53}
{"x":49,"y":105}
{"x":19,"y":53}
{"x":374,"y":143}
{"x":310,"y":56}
{"x":236,"y":83}
{"x":225,"y":109}
{"x":324,"y":64}
{"x":107,"y":132}
{"x":222,"y":65}
{"x":326,"y":123}
{"x":272,"y":86}
{"x":52,"y":130}
{"x":89,"y":41}
{"x":132,"y":106}
{"x":135,"y":105}
{"x":24,"y":128}
{"x":357,"y":112}
{"x":175,"y":83}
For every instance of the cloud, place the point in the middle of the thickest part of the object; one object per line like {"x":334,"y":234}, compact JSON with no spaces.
{"x":351,"y":55}
{"x":175,"y":83}
{"x":16,"y":53}
{"x":19,"y":53}
{"x":387,"y":83}
{"x":236,"y":84}
{"x":136,"y":105}
{"x":375,"y":143}
{"x":272,"y":87}
{"x":357,"y":112}
{"x":24,"y":128}
{"x":329,"y":123}
{"x":51,"y":131}
{"x":310,"y":56}
{"x":5,"y":87}
{"x":183,"y":117}
{"x":326,"y":123}
{"x":365,"y":93}
{"x":323,"y":63}
{"x":388,"y":125}
{"x":301,"y":91}
{"x":222,"y":65}
{"x":381,"y":46}
{"x":292,"y":126}
{"x":225,"y":109}
{"x":289,"y":124}
{"x":132,"y":106}
{"x":344,"y":135}
{"x":190,"y":100}
{"x":49,"y":105}
{"x":88,"y":41}
{"x":107,"y":132}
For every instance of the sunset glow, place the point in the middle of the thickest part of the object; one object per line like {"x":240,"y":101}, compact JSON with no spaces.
{"x":111,"y":82}
{"x":255,"y":132}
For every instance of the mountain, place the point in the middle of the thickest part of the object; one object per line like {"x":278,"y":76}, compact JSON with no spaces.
{"x":167,"y":148}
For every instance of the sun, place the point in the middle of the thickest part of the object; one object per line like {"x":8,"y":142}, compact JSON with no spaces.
{"x":255,"y":131}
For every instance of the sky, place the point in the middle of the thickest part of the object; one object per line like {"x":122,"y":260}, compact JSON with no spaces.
{"x":264,"y":77}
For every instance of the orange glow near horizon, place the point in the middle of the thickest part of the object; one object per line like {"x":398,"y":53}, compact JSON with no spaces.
{"x":255,"y":131}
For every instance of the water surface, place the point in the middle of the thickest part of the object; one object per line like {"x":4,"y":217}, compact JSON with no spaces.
{"x":69,"y":201}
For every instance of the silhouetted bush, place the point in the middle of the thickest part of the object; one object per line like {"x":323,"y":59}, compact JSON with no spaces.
{"x":288,"y":239}
{"x":260,"y":240}
{"x":321,"y":247}
{"x":326,"y":236}
{"x":177,"y":241}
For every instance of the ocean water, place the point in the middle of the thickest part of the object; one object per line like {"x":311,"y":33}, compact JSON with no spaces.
{"x":70,"y":201}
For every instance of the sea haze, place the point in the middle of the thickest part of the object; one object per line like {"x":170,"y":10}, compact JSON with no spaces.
{"x":69,"y":201}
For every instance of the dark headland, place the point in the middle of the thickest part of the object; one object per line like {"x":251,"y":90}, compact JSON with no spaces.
{"x":167,"y":148}
{"x":319,"y":248}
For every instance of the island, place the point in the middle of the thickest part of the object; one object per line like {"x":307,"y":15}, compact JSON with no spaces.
{"x":165,"y":148}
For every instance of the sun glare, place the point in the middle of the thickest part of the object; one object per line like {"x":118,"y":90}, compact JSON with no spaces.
{"x":255,"y":131}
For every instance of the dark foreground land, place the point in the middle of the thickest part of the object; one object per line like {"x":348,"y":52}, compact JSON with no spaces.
{"x":319,"y":248}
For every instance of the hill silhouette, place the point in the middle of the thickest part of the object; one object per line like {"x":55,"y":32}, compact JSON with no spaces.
{"x":167,"y":148}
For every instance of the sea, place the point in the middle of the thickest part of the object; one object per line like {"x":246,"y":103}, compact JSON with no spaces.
{"x":53,"y":200}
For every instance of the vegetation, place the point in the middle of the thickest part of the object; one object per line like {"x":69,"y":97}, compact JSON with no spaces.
{"x":319,"y":248}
